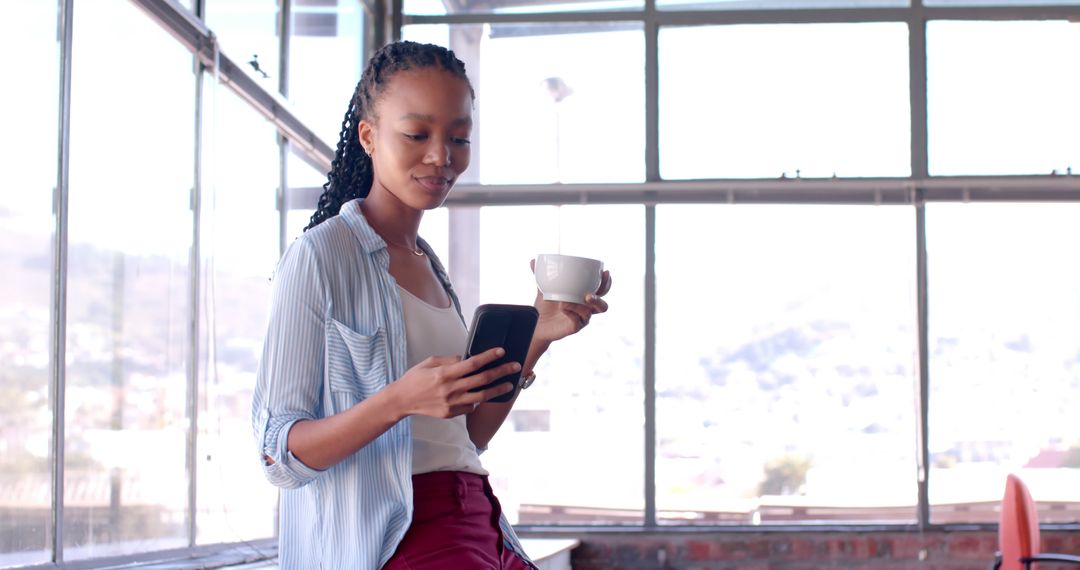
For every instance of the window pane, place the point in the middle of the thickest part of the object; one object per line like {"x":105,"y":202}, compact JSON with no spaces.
{"x":774,"y":4}
{"x":1002,"y":97}
{"x":441,"y":7}
{"x":572,"y":450}
{"x":247,"y":30}
{"x":811,"y":100}
{"x":240,"y":250}
{"x":1004,"y":358}
{"x":544,"y":105}
{"x":325,"y":62}
{"x":435,"y":229}
{"x":785,"y":364}
{"x":129,"y":285}
{"x":29,"y":146}
{"x":305,"y":185}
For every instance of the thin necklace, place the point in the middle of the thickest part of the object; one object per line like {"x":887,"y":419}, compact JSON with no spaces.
{"x":417,"y":252}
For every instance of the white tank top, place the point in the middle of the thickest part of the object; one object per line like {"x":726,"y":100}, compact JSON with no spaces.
{"x":438,"y":444}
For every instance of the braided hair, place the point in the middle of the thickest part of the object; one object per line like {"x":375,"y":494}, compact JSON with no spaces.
{"x":351,"y":172}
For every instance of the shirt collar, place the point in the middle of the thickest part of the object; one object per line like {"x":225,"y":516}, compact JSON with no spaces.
{"x":356,"y":222}
{"x":372,"y":242}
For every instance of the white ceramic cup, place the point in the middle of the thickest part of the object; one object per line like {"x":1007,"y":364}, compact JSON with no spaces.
{"x":567,"y":278}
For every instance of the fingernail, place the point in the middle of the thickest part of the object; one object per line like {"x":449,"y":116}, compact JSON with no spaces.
{"x":517,"y":367}
{"x":500,"y":351}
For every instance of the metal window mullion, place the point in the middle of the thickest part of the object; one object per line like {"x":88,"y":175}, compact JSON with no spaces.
{"x":199,"y":10}
{"x":284,"y":49}
{"x":922,"y":308}
{"x":649,"y":363}
{"x":58,"y":379}
{"x":917,"y":83}
{"x":376,"y":29}
{"x":397,"y":9}
{"x":763,"y":16}
{"x":193,"y":313}
{"x":920,"y":168}
{"x":652,"y":174}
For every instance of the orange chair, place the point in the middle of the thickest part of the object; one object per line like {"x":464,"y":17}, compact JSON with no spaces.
{"x":1018,"y":531}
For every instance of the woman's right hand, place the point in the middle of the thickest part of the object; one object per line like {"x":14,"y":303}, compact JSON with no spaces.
{"x":439,"y":386}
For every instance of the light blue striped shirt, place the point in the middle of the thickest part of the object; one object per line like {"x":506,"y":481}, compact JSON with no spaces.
{"x":336,"y":336}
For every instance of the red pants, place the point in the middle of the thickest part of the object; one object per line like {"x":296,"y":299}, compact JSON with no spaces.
{"x":455,"y":525}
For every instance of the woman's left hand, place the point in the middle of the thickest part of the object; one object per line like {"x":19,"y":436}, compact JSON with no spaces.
{"x":559,"y":319}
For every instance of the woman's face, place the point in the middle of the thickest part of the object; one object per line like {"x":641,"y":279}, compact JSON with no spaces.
{"x":419,"y":137}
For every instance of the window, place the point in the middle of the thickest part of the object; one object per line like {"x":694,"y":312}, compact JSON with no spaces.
{"x":240,"y":235}
{"x":26,"y":228}
{"x":582,"y":462}
{"x":1004,"y":358}
{"x":786,"y":370}
{"x":569,"y":97}
{"x":785,"y":364}
{"x":772,"y":101}
{"x":999,"y":102}
{"x":128,"y":286}
{"x":326,"y":59}
{"x":248,"y":32}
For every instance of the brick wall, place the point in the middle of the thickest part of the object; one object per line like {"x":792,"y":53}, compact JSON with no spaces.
{"x":939,"y":550}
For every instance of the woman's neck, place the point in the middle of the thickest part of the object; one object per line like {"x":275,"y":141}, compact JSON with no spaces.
{"x":391,"y":218}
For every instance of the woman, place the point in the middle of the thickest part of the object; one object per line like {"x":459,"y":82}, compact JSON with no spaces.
{"x":362,"y":410}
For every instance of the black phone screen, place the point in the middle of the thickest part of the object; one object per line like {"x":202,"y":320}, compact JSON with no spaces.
{"x":508,"y":326}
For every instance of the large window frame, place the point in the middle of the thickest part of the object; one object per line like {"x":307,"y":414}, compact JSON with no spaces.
{"x":294,"y":137}
{"x":385,"y":22}
{"x":913,"y":191}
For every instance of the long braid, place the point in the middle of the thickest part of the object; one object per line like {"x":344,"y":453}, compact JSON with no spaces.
{"x":351,"y":172}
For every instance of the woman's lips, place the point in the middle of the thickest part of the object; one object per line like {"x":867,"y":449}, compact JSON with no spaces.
{"x":434,"y":183}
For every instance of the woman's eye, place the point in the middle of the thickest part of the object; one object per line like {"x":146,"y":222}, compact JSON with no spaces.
{"x":460,"y":141}
{"x":415,"y":137}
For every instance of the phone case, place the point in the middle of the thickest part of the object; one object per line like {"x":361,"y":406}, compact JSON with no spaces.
{"x":508,"y":326}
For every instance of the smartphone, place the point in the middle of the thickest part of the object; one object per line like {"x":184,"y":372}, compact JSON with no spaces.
{"x":508,"y":326}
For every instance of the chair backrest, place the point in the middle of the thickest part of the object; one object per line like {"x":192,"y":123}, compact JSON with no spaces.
{"x":1018,"y":531}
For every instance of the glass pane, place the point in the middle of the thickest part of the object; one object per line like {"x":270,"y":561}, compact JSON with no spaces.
{"x":1001,"y":97}
{"x":305,"y":185}
{"x":248,"y":33}
{"x":1004,"y":358}
{"x":537,"y":87}
{"x":442,"y":7}
{"x":785,"y":372}
{"x":572,"y":451}
{"x":810,"y":100}
{"x":129,"y":286}
{"x":435,"y":229}
{"x":325,"y":62}
{"x":240,"y":250}
{"x":774,"y":4}
{"x":29,"y":115}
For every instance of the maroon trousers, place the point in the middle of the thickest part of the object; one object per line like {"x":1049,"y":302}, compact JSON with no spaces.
{"x":455,"y":526}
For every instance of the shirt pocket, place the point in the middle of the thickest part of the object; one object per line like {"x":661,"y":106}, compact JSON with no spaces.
{"x":356,"y":363}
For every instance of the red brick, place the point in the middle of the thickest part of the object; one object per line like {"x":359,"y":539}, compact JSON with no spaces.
{"x":972,"y":546}
{"x":697,"y":550}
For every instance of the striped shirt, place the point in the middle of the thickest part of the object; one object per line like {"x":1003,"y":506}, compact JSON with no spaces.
{"x":336,"y":336}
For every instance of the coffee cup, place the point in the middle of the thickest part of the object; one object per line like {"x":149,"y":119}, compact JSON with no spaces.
{"x":566,"y":277}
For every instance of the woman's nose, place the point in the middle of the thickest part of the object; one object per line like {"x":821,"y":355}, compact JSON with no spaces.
{"x":438,"y":153}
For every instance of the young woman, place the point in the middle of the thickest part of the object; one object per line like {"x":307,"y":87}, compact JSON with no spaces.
{"x":362,"y":411}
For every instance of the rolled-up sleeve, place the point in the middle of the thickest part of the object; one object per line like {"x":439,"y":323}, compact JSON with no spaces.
{"x":289,"y":379}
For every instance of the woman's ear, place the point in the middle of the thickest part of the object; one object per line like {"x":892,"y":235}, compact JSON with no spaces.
{"x":366,"y":132}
